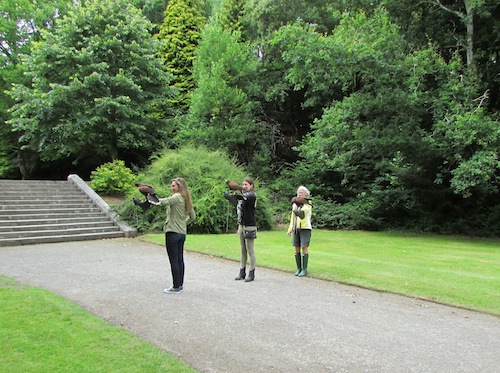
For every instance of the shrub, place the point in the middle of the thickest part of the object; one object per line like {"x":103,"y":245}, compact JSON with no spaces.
{"x":351,"y":215}
{"x":112,"y":177}
{"x":205,"y":172}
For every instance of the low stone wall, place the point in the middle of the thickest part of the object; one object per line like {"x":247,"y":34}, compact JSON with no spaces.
{"x":82,"y":185}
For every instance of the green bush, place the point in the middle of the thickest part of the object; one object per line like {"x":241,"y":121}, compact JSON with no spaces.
{"x":205,"y":172}
{"x":112,"y":177}
{"x":351,"y":215}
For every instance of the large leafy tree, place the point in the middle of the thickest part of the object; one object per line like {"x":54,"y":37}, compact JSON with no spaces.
{"x":96,"y":83}
{"x":152,"y":9}
{"x":405,"y":135}
{"x":223,"y":112}
{"x":179,"y":35}
{"x":267,"y":16}
{"x":471,"y":27}
{"x":20,"y":24}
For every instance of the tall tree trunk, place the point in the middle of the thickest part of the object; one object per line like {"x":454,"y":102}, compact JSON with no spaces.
{"x":28,"y":163}
{"x":468,"y":21}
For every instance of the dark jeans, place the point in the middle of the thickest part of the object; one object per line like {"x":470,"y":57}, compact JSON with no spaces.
{"x":175,"y":250}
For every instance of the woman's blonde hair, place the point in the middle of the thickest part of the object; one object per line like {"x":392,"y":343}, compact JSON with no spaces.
{"x":185,"y":193}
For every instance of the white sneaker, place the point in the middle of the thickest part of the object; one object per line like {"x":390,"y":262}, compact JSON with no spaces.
{"x":172,"y":290}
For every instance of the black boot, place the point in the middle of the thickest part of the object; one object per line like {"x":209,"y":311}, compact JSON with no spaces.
{"x":251,"y":276}
{"x":242,"y":274}
{"x":298,"y":260}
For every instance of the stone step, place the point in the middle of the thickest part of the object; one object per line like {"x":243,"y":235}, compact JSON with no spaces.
{"x":37,"y":196}
{"x":46,"y":185}
{"x":59,"y":238}
{"x":56,"y":227}
{"x":61,"y":220}
{"x":44,"y":205}
{"x":59,"y":232}
{"x":42,"y":211}
{"x":41,"y":215}
{"x":56,"y":210}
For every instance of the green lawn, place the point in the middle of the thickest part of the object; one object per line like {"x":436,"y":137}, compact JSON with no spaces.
{"x":43,"y":332}
{"x":459,"y":271}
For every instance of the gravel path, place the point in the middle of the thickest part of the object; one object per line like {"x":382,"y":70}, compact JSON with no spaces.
{"x":278,"y":323}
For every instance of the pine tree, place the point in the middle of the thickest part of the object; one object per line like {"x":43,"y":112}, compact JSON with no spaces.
{"x":231,"y":15}
{"x":179,"y":34}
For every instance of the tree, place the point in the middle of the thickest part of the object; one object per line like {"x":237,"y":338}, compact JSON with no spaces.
{"x":467,"y":18}
{"x":20,"y":25}
{"x":96,"y":88}
{"x":405,"y":134}
{"x":468,"y":26}
{"x":223,"y":112}
{"x":179,"y":35}
{"x":231,"y":15}
{"x":152,"y":9}
{"x":267,"y":16}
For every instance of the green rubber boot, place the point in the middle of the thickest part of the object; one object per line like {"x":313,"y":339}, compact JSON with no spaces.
{"x":305,"y":259}
{"x":298,"y":260}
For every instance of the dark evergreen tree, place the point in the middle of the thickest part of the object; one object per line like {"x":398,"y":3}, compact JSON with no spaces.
{"x":231,"y":15}
{"x":179,"y":35}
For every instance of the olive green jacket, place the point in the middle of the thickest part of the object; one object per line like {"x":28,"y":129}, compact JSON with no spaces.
{"x":177,"y":218}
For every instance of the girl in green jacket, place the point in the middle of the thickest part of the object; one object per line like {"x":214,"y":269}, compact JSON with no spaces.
{"x":180,"y":213}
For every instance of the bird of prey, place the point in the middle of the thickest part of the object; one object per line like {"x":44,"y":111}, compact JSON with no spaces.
{"x":233,"y":185}
{"x":300,"y":201}
{"x":150,"y":193}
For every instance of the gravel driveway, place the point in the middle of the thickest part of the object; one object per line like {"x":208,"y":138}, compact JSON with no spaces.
{"x":278,"y":323}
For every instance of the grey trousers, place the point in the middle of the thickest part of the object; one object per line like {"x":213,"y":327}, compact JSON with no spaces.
{"x":247,"y":247}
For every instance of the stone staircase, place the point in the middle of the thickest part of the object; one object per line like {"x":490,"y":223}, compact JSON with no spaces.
{"x":42,"y":211}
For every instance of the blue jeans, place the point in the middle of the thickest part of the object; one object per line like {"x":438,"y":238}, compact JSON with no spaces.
{"x":175,"y":250}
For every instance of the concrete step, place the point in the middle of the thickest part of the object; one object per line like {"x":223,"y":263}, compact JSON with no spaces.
{"x":29,"y":195}
{"x":59,"y":232}
{"x":57,"y":227}
{"x":44,"y":205}
{"x":39,"y":215}
{"x":42,"y":211}
{"x":61,"y":220}
{"x":37,"y":210}
{"x":59,"y":238}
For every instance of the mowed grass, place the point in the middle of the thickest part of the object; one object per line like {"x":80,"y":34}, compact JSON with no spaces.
{"x":43,"y":332}
{"x":459,"y":271}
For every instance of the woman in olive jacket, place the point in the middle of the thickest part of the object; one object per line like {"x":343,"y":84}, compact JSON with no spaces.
{"x":180,"y":213}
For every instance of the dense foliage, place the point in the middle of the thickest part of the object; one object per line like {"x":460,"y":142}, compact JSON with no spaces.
{"x":112,"y":177}
{"x":404,"y":144}
{"x":387,"y":110}
{"x":20,"y":25}
{"x":205,"y":172}
{"x":95,"y":90}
